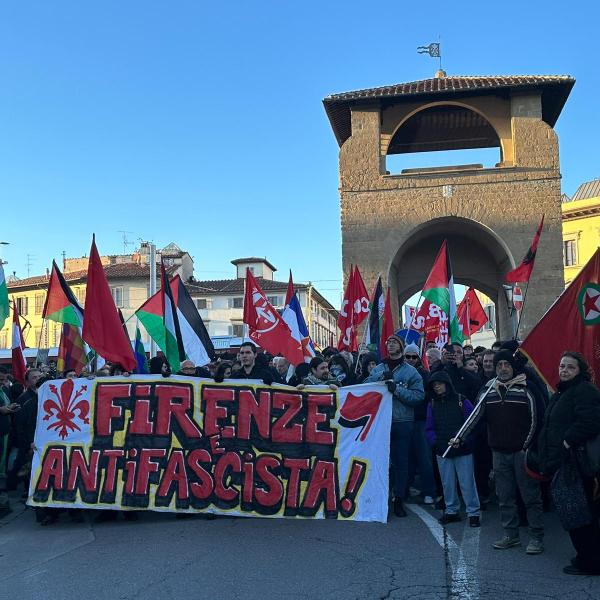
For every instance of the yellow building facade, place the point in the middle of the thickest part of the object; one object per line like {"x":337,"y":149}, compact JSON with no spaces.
{"x":581,"y":227}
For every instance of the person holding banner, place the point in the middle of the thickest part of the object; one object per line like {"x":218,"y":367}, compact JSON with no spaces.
{"x":406,"y":386}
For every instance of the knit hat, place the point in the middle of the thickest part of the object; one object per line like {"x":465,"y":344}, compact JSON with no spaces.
{"x":506,"y":355}
{"x":397,"y":338}
{"x":441,"y":376}
{"x":414,"y":349}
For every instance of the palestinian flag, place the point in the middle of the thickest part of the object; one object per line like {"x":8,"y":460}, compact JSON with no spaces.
{"x":376,"y":308}
{"x":71,"y":352}
{"x":3,"y":297}
{"x":174,"y":351}
{"x":439,"y":290}
{"x":197,"y":344}
{"x":61,"y":305}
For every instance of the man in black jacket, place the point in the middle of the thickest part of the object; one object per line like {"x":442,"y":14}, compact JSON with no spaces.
{"x":250,"y":369}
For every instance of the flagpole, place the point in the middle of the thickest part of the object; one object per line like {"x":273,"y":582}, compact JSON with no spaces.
{"x":39,"y":344}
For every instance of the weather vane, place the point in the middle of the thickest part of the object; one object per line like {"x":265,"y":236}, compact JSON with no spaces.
{"x":433,"y":50}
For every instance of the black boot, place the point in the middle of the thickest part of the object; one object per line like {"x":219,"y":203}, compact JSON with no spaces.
{"x":399,"y":508}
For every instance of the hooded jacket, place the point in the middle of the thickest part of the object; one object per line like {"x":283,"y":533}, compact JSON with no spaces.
{"x":445,"y":416}
{"x":409,"y":389}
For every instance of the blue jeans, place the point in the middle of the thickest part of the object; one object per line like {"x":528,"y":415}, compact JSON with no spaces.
{"x":401,"y":435}
{"x":461,"y":467}
{"x":420,"y":460}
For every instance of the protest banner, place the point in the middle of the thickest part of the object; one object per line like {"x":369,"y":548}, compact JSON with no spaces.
{"x":191,"y":445}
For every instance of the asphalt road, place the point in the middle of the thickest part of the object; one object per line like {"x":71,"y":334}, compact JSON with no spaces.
{"x":161,"y":557}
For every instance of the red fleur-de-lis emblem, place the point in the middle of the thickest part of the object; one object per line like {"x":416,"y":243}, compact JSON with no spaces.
{"x":65,"y":407}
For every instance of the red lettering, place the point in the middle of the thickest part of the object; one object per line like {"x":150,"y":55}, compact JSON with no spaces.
{"x":141,"y":424}
{"x":52,"y":468}
{"x":322,"y":482}
{"x":110,"y":477}
{"x":175,"y":473}
{"x":249,"y":408}
{"x":295,"y":465}
{"x":274,"y":492}
{"x":280,"y":432}
{"x":79,"y":468}
{"x":214,"y":412}
{"x":175,"y":401}
{"x":230,"y":461}
{"x":200,"y":489}
{"x":146,"y":466}
{"x":106,"y":411}
{"x":314,"y":417}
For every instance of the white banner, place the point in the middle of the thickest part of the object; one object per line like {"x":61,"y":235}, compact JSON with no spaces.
{"x":191,"y":445}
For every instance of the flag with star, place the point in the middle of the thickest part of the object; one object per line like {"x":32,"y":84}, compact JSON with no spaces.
{"x":576,"y":316}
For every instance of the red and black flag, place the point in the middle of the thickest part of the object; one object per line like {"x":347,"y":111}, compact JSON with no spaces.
{"x":522,"y":273}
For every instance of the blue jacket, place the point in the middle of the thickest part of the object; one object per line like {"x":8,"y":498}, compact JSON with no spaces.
{"x":409,"y":389}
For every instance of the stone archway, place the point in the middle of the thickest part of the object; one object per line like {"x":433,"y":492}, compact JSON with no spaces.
{"x":479,"y":259}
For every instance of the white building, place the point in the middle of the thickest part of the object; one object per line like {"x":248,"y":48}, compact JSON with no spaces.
{"x":221,"y":302}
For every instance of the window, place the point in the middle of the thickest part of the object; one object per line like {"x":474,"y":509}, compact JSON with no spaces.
{"x":236,"y":302}
{"x":117,"y":294}
{"x":237,"y":330}
{"x":80,"y":293}
{"x":22,"y":305}
{"x":275,"y":301}
{"x":3,"y":339}
{"x":39,"y":303}
{"x":202,"y":303}
{"x":56,"y":334}
{"x":570,"y":252}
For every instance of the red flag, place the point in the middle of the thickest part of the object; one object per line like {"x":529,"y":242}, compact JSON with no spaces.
{"x":522,"y":273}
{"x":290,"y":290}
{"x":102,"y":328}
{"x":19,"y":364}
{"x":571,"y":323}
{"x":387,"y":325}
{"x":471,"y":315}
{"x":265,"y":325}
{"x":355,"y":308}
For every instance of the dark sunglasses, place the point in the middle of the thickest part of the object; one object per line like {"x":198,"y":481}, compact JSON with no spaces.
{"x":412,"y":356}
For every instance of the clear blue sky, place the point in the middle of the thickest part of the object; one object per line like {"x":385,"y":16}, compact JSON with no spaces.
{"x":202,"y":123}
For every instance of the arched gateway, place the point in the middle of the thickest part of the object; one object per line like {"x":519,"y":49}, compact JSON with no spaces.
{"x":393,"y":225}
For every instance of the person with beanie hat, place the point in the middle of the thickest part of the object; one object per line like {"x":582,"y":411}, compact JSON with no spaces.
{"x":513,"y":415}
{"x":446,"y":413}
{"x":406,"y":386}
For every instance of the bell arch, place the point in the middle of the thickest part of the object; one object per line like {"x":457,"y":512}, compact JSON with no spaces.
{"x":480,"y":258}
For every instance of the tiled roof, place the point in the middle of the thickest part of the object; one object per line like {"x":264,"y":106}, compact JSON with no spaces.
{"x":118,"y":271}
{"x":589,"y":189}
{"x":555,"y":90}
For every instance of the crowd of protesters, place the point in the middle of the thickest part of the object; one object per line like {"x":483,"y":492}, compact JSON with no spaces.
{"x":516,"y":438}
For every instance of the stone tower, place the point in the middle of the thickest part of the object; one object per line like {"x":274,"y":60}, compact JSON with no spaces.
{"x":394,"y":224}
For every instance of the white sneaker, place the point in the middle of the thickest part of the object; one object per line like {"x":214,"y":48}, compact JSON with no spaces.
{"x":428,"y":500}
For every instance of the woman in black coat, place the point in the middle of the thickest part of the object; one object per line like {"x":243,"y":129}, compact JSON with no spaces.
{"x":572,"y":418}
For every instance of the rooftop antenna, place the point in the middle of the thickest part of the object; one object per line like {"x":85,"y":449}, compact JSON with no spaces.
{"x":126,"y":242}
{"x":30,"y":258}
{"x":64,"y":257}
